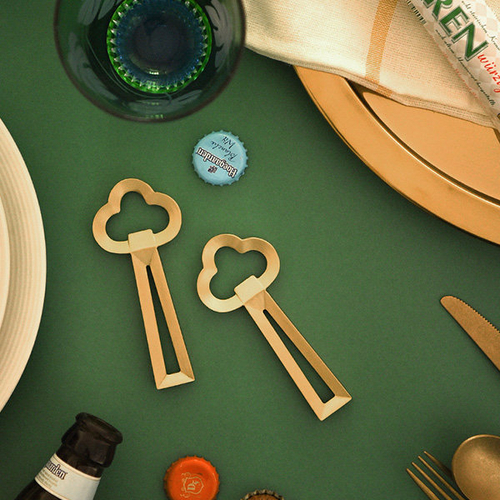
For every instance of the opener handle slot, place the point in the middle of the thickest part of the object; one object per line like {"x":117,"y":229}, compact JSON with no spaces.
{"x":322,"y":409}
{"x":162,"y":378}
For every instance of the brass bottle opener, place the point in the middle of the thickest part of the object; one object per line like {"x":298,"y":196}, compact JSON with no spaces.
{"x":252,"y":294}
{"x":143,"y":248}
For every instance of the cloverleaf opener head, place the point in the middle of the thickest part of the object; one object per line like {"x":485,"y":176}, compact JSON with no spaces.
{"x":241,"y":246}
{"x":113,"y":207}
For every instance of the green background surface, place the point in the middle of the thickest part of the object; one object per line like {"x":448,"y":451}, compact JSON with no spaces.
{"x":362,"y":272}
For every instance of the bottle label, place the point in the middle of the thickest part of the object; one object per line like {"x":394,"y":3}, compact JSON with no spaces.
{"x":65,"y":482}
{"x":467,"y":33}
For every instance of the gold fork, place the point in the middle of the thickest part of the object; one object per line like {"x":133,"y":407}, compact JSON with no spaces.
{"x":433,"y":484}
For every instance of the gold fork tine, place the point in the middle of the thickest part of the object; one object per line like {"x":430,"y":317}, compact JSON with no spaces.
{"x":438,"y":464}
{"x":427,"y":480}
{"x":423,"y":486}
{"x":432,"y":482}
{"x":443,"y":468}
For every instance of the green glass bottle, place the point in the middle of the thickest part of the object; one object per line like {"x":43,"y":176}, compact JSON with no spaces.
{"x":74,"y":471}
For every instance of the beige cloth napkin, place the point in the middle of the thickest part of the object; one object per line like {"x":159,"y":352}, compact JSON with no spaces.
{"x":378,"y":43}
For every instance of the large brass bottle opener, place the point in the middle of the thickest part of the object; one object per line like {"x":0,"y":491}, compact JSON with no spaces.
{"x":252,"y":294}
{"x":143,"y":248}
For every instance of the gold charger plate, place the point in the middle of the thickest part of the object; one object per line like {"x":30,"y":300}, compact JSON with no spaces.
{"x":447,"y":166}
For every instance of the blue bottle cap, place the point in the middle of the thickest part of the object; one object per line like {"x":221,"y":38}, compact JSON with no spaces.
{"x":220,"y":158}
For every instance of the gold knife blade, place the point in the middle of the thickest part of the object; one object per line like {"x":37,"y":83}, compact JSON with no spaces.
{"x":479,"y":329}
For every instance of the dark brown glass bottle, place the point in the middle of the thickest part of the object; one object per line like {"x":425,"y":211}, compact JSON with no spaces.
{"x":74,"y":471}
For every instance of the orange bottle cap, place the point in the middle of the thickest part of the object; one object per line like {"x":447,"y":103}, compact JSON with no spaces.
{"x":191,"y":478}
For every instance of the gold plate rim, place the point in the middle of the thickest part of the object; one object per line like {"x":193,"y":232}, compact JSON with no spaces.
{"x":380,"y":149}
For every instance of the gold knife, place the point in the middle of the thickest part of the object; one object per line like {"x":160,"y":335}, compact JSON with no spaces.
{"x":479,"y":329}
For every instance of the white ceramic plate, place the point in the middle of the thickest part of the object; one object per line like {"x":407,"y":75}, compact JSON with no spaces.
{"x":26,"y":286}
{"x":4,"y":262}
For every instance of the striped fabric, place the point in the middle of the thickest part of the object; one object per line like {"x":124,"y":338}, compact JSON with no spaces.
{"x":378,"y":43}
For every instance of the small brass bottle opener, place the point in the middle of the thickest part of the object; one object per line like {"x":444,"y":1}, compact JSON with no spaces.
{"x":252,"y":294}
{"x":143,"y":247}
